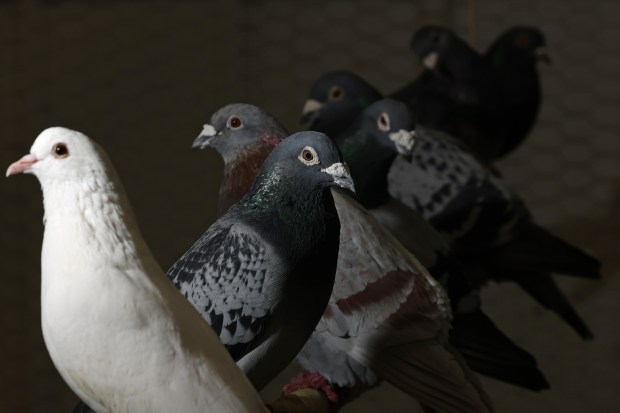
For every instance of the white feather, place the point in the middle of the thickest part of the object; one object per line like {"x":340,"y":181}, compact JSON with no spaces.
{"x":118,"y":332}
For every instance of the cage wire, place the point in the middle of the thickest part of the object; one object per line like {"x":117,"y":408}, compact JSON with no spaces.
{"x":142,"y":77}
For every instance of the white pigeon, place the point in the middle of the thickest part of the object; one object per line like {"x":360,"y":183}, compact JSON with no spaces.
{"x":117,"y":330}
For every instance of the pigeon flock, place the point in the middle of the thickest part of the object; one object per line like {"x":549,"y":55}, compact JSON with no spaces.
{"x":357,"y":247}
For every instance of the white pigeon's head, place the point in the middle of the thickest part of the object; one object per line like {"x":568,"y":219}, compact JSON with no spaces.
{"x":59,"y":153}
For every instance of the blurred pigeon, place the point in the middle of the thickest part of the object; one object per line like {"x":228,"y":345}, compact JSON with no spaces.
{"x":488,"y":225}
{"x":263,"y":273}
{"x":384,"y":129}
{"x":336,"y":98}
{"x":120,"y":335}
{"x":458,"y":92}
{"x":514,"y":56}
{"x":363,"y":230}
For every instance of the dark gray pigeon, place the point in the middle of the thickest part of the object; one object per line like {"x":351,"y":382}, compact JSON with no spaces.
{"x":335,"y":100}
{"x":488,"y":225}
{"x":262,"y":274}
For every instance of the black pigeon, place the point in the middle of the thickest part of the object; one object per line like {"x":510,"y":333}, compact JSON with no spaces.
{"x":458,"y":92}
{"x":514,"y":56}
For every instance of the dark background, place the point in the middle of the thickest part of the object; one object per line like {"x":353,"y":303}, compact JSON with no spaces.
{"x":141,"y":77}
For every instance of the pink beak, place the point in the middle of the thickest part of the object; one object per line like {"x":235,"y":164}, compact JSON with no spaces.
{"x":22,"y":165}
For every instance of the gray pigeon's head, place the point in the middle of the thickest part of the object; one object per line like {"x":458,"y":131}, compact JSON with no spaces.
{"x":520,"y":42}
{"x":61,"y":155}
{"x":390,"y":123}
{"x":431,"y":45}
{"x":335,"y":100}
{"x":239,"y":127}
{"x":308,"y":161}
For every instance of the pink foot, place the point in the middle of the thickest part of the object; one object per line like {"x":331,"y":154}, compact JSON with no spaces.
{"x":313,"y":381}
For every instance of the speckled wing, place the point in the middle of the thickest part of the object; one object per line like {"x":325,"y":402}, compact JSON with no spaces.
{"x":382,"y":295}
{"x":227,"y":276}
{"x":454,"y":191}
{"x":388,"y":318}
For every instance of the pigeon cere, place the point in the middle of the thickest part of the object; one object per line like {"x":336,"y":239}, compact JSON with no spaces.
{"x":340,"y":242}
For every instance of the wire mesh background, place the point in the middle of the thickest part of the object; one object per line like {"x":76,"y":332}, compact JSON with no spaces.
{"x":142,"y":77}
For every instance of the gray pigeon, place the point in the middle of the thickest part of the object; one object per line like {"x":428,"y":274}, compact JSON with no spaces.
{"x":262,"y":274}
{"x":228,"y":133}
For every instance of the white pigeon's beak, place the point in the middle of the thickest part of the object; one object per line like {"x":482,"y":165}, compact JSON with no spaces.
{"x":430,"y":61}
{"x":21,"y":166}
{"x":403,"y":140}
{"x":310,"y":110}
{"x":341,"y":175}
{"x":205,"y":137}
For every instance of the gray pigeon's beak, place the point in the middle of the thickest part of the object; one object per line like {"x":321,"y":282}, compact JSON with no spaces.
{"x":204,"y":139}
{"x":21,"y":166}
{"x":310,"y":111}
{"x":341,"y":175}
{"x":542,"y":56}
{"x":404,"y":141}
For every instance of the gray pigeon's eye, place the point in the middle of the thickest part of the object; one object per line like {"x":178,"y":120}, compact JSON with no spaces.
{"x":336,"y":93}
{"x":383,"y":122}
{"x":234,"y":122}
{"x":308,"y":156}
{"x":436,"y":37}
{"x":60,"y":150}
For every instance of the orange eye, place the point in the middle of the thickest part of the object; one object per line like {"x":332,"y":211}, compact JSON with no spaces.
{"x":336,"y":93}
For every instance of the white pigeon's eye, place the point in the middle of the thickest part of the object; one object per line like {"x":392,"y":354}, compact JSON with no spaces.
{"x":308,"y":156}
{"x":60,"y":150}
{"x":383,"y":122}
{"x":336,"y":93}
{"x":234,"y":122}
